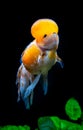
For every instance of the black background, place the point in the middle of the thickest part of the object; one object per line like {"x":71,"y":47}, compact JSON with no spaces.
{"x":63,"y":83}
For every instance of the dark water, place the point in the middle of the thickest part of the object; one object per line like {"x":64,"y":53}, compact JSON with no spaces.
{"x":63,"y":83}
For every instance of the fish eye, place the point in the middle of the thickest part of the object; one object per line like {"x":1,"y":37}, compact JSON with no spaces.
{"x":54,"y":32}
{"x":44,"y":35}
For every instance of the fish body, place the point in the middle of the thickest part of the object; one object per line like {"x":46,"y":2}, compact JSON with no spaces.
{"x":37,"y":59}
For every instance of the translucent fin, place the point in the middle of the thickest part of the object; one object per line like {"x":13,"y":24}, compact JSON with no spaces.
{"x":61,"y":63}
{"x":45,"y":83}
{"x":18,"y":99}
{"x":22,"y":90}
{"x":59,"y":60}
{"x":31,"y":98}
{"x":27,"y":103}
{"x":32,"y":86}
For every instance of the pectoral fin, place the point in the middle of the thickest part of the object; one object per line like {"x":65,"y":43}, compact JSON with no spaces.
{"x":59,"y":60}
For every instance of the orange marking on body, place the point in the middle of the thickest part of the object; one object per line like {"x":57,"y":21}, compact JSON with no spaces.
{"x":30,"y":55}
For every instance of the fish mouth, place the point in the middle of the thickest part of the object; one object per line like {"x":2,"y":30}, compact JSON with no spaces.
{"x":50,"y":42}
{"x":48,"y":47}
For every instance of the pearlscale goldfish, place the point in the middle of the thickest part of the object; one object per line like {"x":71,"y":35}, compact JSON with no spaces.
{"x":37,"y":59}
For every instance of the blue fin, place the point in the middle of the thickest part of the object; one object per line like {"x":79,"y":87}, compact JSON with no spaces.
{"x":18,"y":99}
{"x":31,"y":87}
{"x":28,"y":101}
{"x":45,"y":83}
{"x":61,"y":63}
{"x":20,"y":61}
{"x":31,"y":98}
{"x":27,"y":104}
{"x":59,"y":60}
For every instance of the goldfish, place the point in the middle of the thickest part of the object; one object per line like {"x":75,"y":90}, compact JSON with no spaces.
{"x":37,"y":59}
